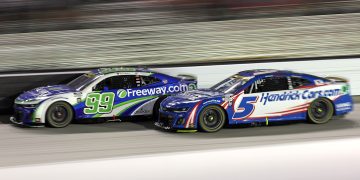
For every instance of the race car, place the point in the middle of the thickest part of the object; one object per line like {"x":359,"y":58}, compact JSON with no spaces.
{"x":257,"y":97}
{"x":107,"y":93}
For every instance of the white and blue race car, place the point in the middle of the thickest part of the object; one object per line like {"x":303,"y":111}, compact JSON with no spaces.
{"x":106,"y":93}
{"x":257,"y":97}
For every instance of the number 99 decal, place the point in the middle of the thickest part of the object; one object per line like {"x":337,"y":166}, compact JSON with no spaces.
{"x":246,"y":108}
{"x":99,"y":103}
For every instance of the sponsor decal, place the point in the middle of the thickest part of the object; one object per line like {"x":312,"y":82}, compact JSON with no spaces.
{"x":122,"y":93}
{"x":345,"y":89}
{"x":212,"y":101}
{"x":298,"y":95}
{"x":343,"y":106}
{"x":192,"y":86}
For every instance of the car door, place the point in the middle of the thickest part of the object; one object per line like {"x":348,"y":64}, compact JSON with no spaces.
{"x":262,"y":98}
{"x":109,"y":97}
{"x":149,"y":89}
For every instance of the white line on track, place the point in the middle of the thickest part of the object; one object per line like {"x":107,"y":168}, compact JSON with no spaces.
{"x":41,"y":74}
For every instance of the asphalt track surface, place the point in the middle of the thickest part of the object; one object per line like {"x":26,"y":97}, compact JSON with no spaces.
{"x":27,"y":146}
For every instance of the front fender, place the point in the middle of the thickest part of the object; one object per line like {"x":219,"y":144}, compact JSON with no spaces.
{"x":204,"y":104}
{"x":40,"y":112}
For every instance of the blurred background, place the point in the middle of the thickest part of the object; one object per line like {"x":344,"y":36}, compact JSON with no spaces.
{"x":74,"y":35}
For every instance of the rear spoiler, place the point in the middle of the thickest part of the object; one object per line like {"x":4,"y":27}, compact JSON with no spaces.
{"x":337,"y":79}
{"x":186,"y":77}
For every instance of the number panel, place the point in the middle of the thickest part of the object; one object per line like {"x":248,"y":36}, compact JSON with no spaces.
{"x":106,"y":103}
{"x":245,"y":108}
{"x":92,"y":103}
{"x":99,"y":103}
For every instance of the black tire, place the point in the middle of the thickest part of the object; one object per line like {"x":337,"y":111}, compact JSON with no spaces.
{"x":320,"y":111}
{"x":212,"y":119}
{"x":157,"y":107}
{"x":59,"y":115}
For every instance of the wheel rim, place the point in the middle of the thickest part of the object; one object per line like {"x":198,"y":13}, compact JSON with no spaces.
{"x":212,"y":119}
{"x":59,"y":114}
{"x":319,"y":109}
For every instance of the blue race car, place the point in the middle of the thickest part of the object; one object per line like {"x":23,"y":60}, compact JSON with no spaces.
{"x":257,"y":97}
{"x":107,"y":93}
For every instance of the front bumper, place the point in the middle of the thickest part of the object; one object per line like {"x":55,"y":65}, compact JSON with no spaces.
{"x":15,"y":120}
{"x":169,"y":120}
{"x":20,"y":123}
{"x":165,"y":121}
{"x":24,"y":116}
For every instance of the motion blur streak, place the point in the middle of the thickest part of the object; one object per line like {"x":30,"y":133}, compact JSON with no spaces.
{"x":335,"y":159}
{"x":88,"y":33}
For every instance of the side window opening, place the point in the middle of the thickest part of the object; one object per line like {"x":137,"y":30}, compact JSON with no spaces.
{"x":117,"y":82}
{"x":268,"y":84}
{"x":298,"y":82}
{"x":147,"y":80}
{"x":123,"y":82}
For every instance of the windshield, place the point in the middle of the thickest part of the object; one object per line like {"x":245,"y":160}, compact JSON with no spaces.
{"x":230,"y":85}
{"x":82,"y":81}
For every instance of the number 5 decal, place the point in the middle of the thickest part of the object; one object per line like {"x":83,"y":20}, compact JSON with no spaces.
{"x":246,"y":108}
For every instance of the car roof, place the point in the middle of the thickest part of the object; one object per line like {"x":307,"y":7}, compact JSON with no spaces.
{"x":103,"y":71}
{"x":258,"y":72}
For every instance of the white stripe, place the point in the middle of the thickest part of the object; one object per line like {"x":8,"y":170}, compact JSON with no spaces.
{"x":133,"y":113}
{"x":191,"y":118}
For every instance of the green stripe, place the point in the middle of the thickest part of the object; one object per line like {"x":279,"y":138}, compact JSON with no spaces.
{"x":33,"y":115}
{"x":137,"y":101}
{"x":186,"y":131}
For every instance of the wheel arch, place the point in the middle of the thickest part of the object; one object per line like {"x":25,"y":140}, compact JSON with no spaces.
{"x":213,"y":104}
{"x":44,"y":106}
{"x":331,"y":101}
{"x":326,"y":98}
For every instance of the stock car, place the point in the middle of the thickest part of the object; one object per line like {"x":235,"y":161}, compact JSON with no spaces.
{"x":257,"y":97}
{"x":107,"y":93}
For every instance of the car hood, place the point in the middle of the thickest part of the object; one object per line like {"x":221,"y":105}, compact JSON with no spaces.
{"x":44,"y":92}
{"x":191,"y":97}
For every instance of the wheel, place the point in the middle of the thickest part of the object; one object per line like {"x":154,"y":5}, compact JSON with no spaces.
{"x":320,"y":111}
{"x":157,"y":107}
{"x":59,"y":115}
{"x":212,"y":118}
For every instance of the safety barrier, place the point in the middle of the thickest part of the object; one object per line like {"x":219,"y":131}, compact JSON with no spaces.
{"x":200,"y":42}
